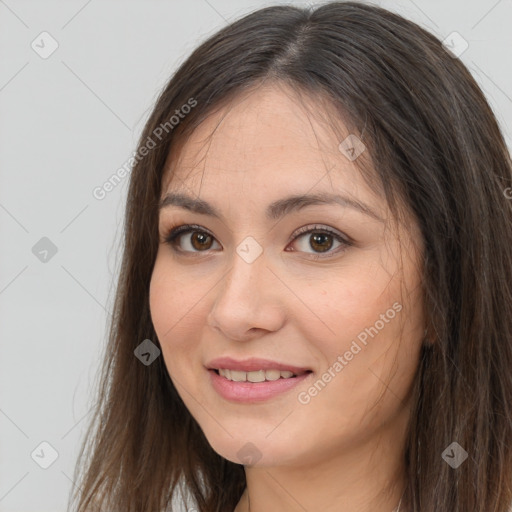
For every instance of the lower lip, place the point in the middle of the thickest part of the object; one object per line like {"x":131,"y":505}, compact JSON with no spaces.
{"x":248,"y":392}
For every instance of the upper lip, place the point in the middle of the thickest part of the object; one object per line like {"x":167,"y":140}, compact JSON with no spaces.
{"x":253,"y":364}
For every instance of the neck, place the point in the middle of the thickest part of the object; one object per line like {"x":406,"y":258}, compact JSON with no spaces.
{"x":245,"y":505}
{"x":352,"y":481}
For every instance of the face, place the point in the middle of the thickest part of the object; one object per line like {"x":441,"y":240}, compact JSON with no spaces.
{"x":325,"y":287}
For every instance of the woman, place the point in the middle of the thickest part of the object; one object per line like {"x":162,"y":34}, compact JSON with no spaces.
{"x":314,"y":309}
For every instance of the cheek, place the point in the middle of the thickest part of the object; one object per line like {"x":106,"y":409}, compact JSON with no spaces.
{"x":171,"y":311}
{"x":170,"y":298}
{"x":366,"y":319}
{"x":161,"y":301}
{"x":363,"y":314}
{"x":353,"y":301}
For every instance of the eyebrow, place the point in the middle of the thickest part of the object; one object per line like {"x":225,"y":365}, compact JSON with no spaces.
{"x":275,"y":210}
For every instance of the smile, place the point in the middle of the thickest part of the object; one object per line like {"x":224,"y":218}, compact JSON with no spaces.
{"x":253,"y":386}
{"x":255,"y":376}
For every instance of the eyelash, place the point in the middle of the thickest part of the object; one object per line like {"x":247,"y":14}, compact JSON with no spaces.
{"x":174,"y":232}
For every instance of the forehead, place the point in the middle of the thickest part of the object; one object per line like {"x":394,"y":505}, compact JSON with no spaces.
{"x":267,"y":137}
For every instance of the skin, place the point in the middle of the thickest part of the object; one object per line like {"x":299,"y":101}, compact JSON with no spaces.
{"x":343,"y":450}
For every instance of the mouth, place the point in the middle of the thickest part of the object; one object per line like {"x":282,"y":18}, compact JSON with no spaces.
{"x":256,"y":376}
{"x":255,"y":379}
{"x":255,"y":364}
{"x":255,"y":386}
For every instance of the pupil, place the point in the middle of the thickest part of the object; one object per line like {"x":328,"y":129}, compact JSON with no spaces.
{"x":319,"y":239}
{"x":200,"y":237}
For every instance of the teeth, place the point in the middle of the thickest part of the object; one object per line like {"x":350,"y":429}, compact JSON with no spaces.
{"x":257,"y":376}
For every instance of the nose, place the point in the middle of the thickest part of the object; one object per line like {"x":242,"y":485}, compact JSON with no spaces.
{"x":248,"y":301}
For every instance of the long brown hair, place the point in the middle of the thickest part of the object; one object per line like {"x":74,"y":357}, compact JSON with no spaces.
{"x":439,"y":151}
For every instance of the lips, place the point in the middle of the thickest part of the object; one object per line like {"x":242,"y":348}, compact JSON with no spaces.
{"x":254,"y":364}
{"x":254,"y":392}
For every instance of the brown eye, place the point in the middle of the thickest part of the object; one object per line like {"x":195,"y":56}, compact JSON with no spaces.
{"x":189,"y":239}
{"x":193,"y":239}
{"x":321,"y":242}
{"x":200,"y":240}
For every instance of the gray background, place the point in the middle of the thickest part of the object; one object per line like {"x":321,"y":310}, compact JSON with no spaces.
{"x":67,"y":123}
